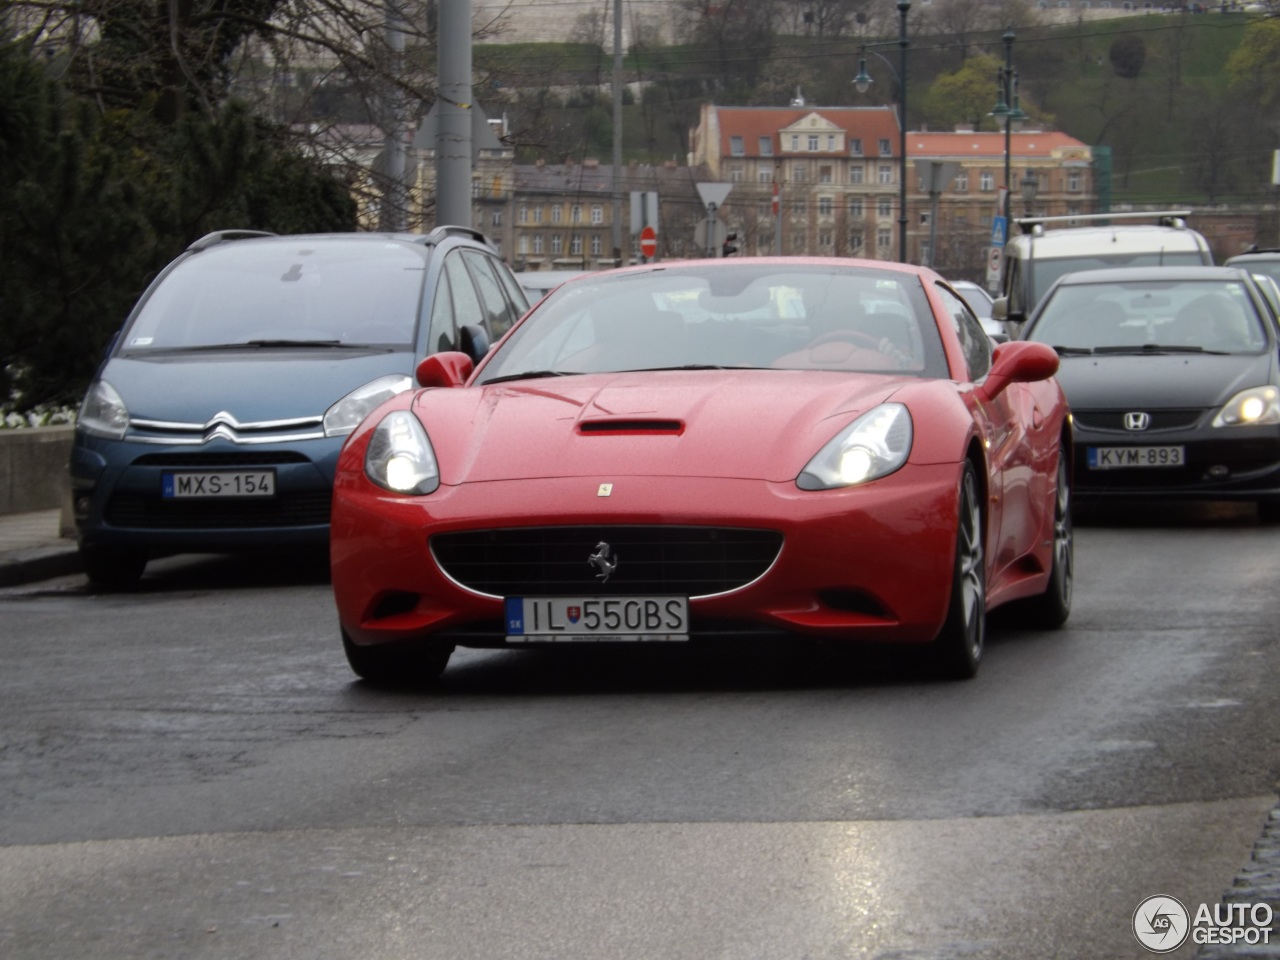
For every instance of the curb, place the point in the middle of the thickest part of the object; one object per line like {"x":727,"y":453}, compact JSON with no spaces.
{"x":38,"y":563}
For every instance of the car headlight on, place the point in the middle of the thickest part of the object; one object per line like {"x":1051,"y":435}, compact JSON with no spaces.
{"x":873,"y":446}
{"x":399,"y":457}
{"x":103,"y":413}
{"x":345,"y":415}
{"x":1248,"y":407}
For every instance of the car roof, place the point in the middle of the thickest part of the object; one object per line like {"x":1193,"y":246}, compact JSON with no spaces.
{"x":436,"y":237}
{"x":1121,"y":238}
{"x":1249,"y":256}
{"x":1131,"y":274}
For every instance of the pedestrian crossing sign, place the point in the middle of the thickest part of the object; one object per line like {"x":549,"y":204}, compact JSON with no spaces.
{"x":999,"y":231}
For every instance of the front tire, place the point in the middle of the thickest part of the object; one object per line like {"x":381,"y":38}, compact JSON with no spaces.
{"x":115,"y":568}
{"x":398,"y":663}
{"x":959,"y":645}
{"x":1050,"y":609}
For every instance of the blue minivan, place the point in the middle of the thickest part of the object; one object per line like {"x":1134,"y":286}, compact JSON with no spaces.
{"x":215,"y":420}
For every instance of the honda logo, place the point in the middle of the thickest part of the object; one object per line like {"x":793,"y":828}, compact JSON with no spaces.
{"x":1137,"y":421}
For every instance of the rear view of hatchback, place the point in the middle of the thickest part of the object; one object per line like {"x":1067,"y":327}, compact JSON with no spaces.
{"x":215,"y":420}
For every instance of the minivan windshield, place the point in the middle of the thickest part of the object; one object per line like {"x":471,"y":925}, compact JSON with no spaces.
{"x":1046,"y":271}
{"x":271,"y":294}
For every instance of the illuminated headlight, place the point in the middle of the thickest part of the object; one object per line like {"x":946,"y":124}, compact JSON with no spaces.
{"x":103,"y":413}
{"x":873,"y":446}
{"x":1257,"y":405}
{"x":399,"y":457}
{"x":345,"y":415}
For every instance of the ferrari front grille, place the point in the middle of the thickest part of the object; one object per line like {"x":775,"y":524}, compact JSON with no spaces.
{"x":645,"y":560}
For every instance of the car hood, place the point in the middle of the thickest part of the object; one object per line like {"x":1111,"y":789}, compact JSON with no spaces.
{"x":251,"y":386}
{"x":1160,"y":380}
{"x":729,"y":424}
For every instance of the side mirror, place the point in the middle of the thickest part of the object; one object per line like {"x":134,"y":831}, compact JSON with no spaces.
{"x":1019,"y":361}
{"x":1000,"y":308}
{"x":448,"y":369}
{"x":473,"y":341}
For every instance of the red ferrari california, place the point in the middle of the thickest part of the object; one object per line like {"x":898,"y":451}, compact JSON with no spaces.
{"x":732,"y":450}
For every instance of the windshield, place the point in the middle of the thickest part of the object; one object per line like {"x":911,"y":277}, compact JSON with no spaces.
{"x":777,"y":316}
{"x":1046,"y":271}
{"x":1210,"y":316}
{"x":273,"y":294}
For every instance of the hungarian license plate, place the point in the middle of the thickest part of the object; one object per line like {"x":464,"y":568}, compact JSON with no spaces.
{"x":1119,"y":458}
{"x":218,"y":483}
{"x":567,"y":619}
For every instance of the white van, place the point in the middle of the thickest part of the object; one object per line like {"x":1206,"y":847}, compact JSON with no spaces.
{"x":1036,"y":257}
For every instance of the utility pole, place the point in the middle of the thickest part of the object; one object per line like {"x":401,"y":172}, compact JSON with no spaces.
{"x":617,"y":133}
{"x":453,"y":139}
{"x":394,"y":193}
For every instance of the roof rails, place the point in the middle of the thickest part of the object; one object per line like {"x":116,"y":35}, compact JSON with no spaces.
{"x":221,"y":236}
{"x":1164,"y":218}
{"x":446,"y":231}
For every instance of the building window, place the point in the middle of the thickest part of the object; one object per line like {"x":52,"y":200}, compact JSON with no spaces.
{"x":884,"y":173}
{"x":524,"y":214}
{"x":813,"y":142}
{"x":575,"y":245}
{"x":831,"y":141}
{"x":962,"y":182}
{"x":797,"y":243}
{"x":766,"y":146}
{"x":798,"y":209}
{"x":986,"y":181}
{"x":595,"y":245}
{"x":884,"y":208}
{"x":597,"y":213}
{"x":496,"y":220}
{"x":855,"y":243}
{"x":886,"y":150}
{"x":825,"y":206}
{"x":855,"y":208}
{"x":524,"y":244}
{"x":764,"y":209}
{"x":1073,"y":181}
{"x":884,"y":236}
{"x":764,"y":174}
{"x":537,"y":214}
{"x":924,"y":219}
{"x":537,"y":243}
{"x":795,"y":142}
{"x":735,"y":173}
{"x":575,"y":213}
{"x":824,"y":174}
{"x":557,"y":244}
{"x":856,"y":171}
{"x":798,"y":174}
{"x":735,"y":147}
{"x":556,"y":213}
{"x":824,"y":238}
{"x":855,"y":147}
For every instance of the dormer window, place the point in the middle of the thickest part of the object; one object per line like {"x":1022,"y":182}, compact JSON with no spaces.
{"x":886,"y":149}
{"x":736,"y":148}
{"x":855,"y":147}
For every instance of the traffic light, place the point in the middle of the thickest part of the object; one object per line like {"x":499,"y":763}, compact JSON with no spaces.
{"x":729,"y":247}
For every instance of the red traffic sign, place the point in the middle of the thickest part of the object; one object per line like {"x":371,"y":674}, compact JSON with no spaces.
{"x":648,"y":241}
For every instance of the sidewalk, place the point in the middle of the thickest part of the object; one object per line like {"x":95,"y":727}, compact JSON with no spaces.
{"x":31,"y":548}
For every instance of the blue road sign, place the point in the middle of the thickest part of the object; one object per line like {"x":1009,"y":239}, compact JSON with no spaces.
{"x":999,"y":231}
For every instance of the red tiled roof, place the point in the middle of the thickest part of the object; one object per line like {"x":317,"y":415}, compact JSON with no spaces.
{"x":871,"y":124}
{"x":958,"y":145}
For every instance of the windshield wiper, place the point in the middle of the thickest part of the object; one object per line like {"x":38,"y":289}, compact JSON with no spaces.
{"x":530,"y":375}
{"x":1157,"y":348}
{"x":294,"y":343}
{"x":1072,"y":351}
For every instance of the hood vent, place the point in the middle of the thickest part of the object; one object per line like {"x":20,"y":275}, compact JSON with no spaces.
{"x":675,"y":427}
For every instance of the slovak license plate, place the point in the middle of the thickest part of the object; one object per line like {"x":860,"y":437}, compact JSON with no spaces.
{"x":218,"y":483}
{"x":568,"y":619}
{"x":1119,"y":458}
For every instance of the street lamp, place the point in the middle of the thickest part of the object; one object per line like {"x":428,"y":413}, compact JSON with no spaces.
{"x":1007,"y":111}
{"x":863,"y":82}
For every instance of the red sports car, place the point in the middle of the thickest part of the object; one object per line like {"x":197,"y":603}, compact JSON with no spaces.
{"x":734,"y":450}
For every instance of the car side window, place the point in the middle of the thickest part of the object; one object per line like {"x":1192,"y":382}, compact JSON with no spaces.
{"x":444,"y":329}
{"x":499,"y":309}
{"x":467,"y":308}
{"x":973,"y":339}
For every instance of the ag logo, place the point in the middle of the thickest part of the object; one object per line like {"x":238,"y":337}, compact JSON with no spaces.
{"x":1161,"y":924}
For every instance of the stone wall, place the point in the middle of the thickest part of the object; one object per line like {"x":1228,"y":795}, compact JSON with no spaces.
{"x":34,"y":472}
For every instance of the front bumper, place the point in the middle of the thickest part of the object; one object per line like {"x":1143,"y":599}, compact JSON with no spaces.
{"x":865,"y":563}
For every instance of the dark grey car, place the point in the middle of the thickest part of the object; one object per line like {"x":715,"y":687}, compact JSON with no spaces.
{"x":1173,"y":376}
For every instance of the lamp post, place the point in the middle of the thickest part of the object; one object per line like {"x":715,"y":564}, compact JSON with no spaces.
{"x":1030,"y":187}
{"x":1007,"y":112}
{"x":862,"y":82}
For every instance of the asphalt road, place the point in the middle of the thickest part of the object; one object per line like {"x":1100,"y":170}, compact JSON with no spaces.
{"x":192,"y":772}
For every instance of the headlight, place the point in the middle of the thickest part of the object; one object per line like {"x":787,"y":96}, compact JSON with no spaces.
{"x":345,"y":415}
{"x":1249,"y":407}
{"x":399,"y":457}
{"x":873,"y":446}
{"x":103,"y":413}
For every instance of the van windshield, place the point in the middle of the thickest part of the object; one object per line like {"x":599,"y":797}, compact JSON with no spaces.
{"x":333,"y":292}
{"x":1046,"y":271}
